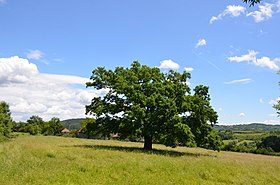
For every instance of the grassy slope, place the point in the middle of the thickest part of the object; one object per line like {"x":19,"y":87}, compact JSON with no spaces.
{"x":59,"y":160}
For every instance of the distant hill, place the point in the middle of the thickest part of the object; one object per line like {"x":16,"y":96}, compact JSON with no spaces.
{"x":73,"y":124}
{"x":248,"y":127}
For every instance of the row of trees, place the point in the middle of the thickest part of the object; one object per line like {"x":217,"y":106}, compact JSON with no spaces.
{"x":35,"y":125}
{"x":266,"y":145}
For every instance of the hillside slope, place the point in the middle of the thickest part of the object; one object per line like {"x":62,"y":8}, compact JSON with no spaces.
{"x":73,"y":124}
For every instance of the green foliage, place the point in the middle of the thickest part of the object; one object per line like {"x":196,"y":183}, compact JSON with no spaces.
{"x":271,"y":142}
{"x":252,"y":2}
{"x":143,"y":102}
{"x":35,"y":125}
{"x":6,"y":122}
{"x":227,"y":135}
{"x":54,"y":127}
{"x":277,"y":107}
{"x":92,"y":128}
{"x":247,"y":147}
{"x":268,"y":145}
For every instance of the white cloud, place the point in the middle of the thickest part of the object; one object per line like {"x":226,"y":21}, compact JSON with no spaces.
{"x":242,"y":81}
{"x":234,"y":11}
{"x":242,"y":114}
{"x":46,"y":95}
{"x":251,"y":56}
{"x":16,"y":70}
{"x":214,"y":18}
{"x":231,"y":10}
{"x":189,"y":69}
{"x":267,"y":62}
{"x":169,"y":64}
{"x":261,"y":100}
{"x":265,"y":12}
{"x":35,"y":54}
{"x":200,"y":42}
{"x":252,"y":59}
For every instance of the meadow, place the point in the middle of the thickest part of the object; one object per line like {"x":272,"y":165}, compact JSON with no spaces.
{"x":61,"y":160}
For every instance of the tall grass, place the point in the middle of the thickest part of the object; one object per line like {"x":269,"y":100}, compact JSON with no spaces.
{"x":59,"y":160}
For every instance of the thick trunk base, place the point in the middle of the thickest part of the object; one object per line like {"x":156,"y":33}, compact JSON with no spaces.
{"x":148,"y":142}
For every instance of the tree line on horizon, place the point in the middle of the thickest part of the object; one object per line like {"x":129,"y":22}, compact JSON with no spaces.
{"x":34,"y":125}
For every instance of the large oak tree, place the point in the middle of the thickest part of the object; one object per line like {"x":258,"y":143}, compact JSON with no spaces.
{"x":143,"y":102}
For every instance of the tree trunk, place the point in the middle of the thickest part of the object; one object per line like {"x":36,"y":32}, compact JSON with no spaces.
{"x":148,"y":142}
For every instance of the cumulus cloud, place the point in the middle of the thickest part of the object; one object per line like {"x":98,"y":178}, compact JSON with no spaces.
{"x":231,"y":10}
{"x":252,"y":59}
{"x":16,"y":70}
{"x":200,"y":42}
{"x":169,"y":64}
{"x":30,"y":92}
{"x":265,"y":12}
{"x":241,"y":81}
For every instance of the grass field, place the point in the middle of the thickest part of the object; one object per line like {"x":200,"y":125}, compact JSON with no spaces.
{"x":60,"y":160}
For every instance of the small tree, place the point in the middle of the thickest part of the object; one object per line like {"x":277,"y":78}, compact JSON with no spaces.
{"x":6,"y":122}
{"x":34,"y":125}
{"x":143,"y":102}
{"x":55,"y":126}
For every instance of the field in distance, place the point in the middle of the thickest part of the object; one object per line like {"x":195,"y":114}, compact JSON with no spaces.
{"x":60,"y":160}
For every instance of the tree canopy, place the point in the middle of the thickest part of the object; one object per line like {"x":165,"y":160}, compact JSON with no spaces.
{"x":36,"y":125}
{"x":5,"y":119}
{"x":143,"y":102}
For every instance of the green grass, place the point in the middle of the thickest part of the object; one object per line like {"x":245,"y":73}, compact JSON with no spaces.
{"x":250,"y":135}
{"x":60,"y":160}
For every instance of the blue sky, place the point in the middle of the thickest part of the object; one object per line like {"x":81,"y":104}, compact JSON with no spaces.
{"x":49,"y":48}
